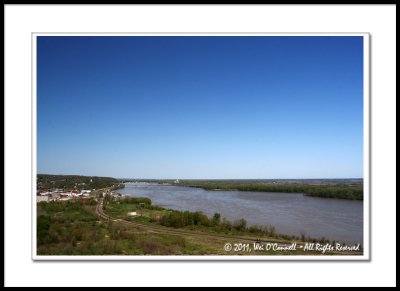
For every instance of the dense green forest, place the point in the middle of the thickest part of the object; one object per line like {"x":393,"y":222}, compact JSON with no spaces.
{"x":75,"y":182}
{"x":351,"y":191}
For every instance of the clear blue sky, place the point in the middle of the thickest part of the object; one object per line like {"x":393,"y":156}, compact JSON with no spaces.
{"x":200,"y":107}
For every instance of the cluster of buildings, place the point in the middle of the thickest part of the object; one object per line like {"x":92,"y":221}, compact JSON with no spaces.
{"x":61,"y":195}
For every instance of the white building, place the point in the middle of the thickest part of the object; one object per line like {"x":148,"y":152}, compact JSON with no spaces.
{"x":55,"y":196}
{"x":42,"y":198}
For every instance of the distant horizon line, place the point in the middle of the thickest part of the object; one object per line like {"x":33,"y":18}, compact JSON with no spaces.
{"x":239,"y":178}
{"x":136,"y":178}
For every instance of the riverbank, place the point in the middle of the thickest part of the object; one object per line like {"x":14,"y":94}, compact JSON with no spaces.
{"x":106,"y":226}
{"x":342,"y":190}
{"x":290,"y":213}
{"x":159,"y":219}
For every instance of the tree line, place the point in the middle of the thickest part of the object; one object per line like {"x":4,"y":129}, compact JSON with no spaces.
{"x":338,"y":191}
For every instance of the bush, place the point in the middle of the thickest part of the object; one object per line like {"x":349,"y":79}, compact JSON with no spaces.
{"x":216,"y":220}
{"x":240,"y":225}
{"x":136,"y":200}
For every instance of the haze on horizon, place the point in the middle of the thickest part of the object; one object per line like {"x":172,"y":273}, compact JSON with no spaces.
{"x":200,"y":107}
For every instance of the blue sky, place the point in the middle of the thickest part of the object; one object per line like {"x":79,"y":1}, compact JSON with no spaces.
{"x":200,"y":107}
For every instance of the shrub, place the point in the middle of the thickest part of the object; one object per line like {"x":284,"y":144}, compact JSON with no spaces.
{"x":240,"y":225}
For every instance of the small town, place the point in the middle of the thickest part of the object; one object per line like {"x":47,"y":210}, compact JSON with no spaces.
{"x":48,"y":195}
{"x":77,"y":188}
{"x":76,"y":193}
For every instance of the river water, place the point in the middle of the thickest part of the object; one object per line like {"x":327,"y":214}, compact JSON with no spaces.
{"x":292,"y":214}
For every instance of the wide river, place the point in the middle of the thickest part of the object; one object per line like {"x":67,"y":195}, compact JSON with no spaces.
{"x":293,"y":214}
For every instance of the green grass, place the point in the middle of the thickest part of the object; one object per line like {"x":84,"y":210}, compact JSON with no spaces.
{"x":69,"y":228}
